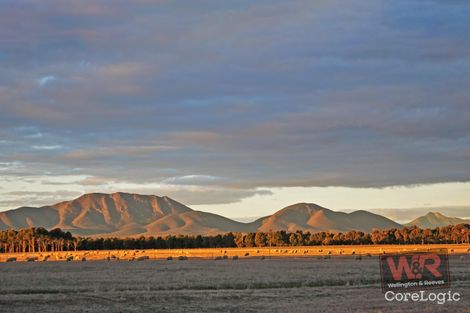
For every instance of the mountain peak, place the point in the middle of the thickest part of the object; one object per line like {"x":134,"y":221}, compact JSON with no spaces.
{"x":435,"y":219}
{"x":437,"y":214}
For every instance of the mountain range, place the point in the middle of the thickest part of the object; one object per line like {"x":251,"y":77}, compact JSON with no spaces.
{"x":123,"y":214}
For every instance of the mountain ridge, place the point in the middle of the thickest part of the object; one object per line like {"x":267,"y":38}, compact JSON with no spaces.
{"x":123,"y":214}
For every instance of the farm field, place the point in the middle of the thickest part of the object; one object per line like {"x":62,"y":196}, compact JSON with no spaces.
{"x":306,"y":251}
{"x":307,"y":284}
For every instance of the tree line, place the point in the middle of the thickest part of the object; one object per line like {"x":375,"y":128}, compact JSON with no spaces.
{"x":38,"y":239}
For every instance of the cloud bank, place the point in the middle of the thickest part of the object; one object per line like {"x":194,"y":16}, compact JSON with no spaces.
{"x":235,"y":96}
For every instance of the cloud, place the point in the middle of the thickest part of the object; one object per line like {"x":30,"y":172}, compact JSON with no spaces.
{"x":47,"y":147}
{"x":265,"y":94}
{"x":194,"y":180}
{"x":16,"y":199}
{"x":201,"y":196}
{"x":45,"y":80}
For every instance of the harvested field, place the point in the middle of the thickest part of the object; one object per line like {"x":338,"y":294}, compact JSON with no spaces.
{"x":154,"y":254}
{"x":296,"y":284}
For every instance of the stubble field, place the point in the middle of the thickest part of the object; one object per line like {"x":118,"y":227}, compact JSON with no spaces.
{"x":297,"y":284}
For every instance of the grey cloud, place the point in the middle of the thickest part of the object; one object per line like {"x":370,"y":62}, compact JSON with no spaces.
{"x":194,"y":180}
{"x":35,"y":198}
{"x":263,"y":93}
{"x":205,"y":196}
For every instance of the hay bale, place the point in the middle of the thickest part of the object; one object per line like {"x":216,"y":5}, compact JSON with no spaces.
{"x":11,"y":260}
{"x":235,"y":257}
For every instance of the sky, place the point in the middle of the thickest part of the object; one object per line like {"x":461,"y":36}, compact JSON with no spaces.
{"x":238,"y":107}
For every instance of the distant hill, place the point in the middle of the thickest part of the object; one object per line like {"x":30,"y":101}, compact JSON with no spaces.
{"x":436,"y":219}
{"x":123,"y":214}
{"x":313,"y":218}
